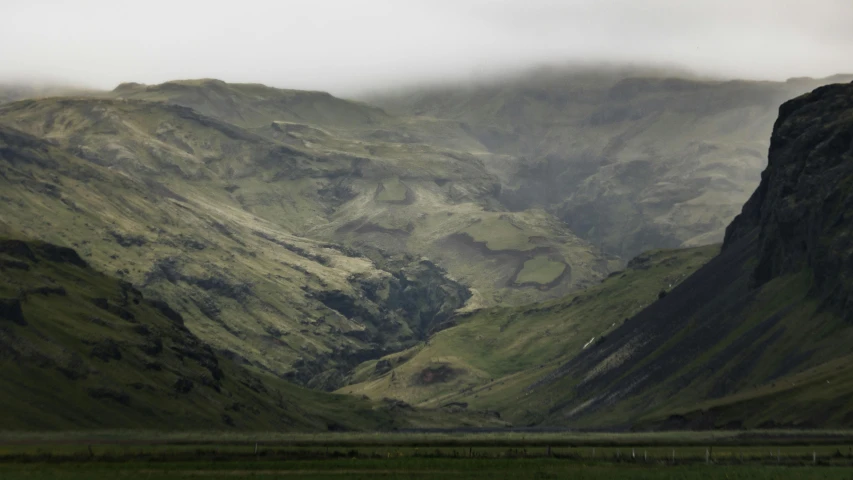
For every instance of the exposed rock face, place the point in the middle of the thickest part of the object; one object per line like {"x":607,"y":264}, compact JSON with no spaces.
{"x":747,"y":318}
{"x":397,"y":311}
{"x":801,"y":208}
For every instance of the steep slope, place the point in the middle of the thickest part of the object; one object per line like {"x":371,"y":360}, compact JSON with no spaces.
{"x":486,"y":359}
{"x":759,"y":336}
{"x":631,"y":159}
{"x":243,"y":234}
{"x":81,"y":350}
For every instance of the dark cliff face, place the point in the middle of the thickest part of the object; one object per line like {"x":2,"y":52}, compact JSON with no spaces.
{"x":800,"y":209}
{"x":771,"y":305}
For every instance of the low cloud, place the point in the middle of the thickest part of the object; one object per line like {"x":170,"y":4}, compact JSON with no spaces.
{"x":349,"y":46}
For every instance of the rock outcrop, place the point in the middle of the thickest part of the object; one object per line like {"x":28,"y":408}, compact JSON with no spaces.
{"x":766,"y":319}
{"x":801,"y":209}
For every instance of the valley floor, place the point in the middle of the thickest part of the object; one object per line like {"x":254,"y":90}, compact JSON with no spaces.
{"x":420,"y":468}
{"x":516,"y":455}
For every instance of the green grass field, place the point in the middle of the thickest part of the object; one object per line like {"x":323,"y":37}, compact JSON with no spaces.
{"x":421,"y":468}
{"x":516,"y":455}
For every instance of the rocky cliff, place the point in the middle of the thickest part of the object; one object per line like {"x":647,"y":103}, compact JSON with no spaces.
{"x":801,"y":208}
{"x":760,"y":335}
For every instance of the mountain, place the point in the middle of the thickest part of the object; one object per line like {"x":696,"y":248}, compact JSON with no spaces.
{"x":247,"y":286}
{"x":630,"y":159}
{"x":758,"y":337}
{"x":755,"y":337}
{"x":300,"y":260}
{"x":81,"y":350}
{"x":430,"y":193}
{"x":285,"y":114}
{"x":428,"y":255}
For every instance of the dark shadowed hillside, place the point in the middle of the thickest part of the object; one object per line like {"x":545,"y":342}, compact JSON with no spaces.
{"x":761,"y":335}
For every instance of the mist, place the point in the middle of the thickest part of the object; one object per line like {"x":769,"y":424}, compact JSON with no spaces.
{"x":348,"y":47}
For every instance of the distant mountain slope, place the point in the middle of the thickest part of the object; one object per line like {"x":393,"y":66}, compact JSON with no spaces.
{"x":759,"y":336}
{"x":301,"y":260}
{"x":247,"y":286}
{"x":630,"y":159}
{"x":252,"y":105}
{"x":281,"y":113}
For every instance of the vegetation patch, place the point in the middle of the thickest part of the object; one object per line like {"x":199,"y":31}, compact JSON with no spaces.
{"x":436,"y":374}
{"x":540,"y":270}
{"x":394,"y":191}
{"x":499,"y":234}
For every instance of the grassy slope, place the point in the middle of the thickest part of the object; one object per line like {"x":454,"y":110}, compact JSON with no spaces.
{"x":251,"y":307}
{"x":84,"y":350}
{"x":75,"y":364}
{"x":778,"y":362}
{"x":492,"y":355}
{"x":223,"y":224}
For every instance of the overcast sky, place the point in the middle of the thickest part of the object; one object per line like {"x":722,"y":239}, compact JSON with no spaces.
{"x":347,"y":46}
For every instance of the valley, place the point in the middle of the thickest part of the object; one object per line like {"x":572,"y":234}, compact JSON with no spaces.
{"x":554,"y":249}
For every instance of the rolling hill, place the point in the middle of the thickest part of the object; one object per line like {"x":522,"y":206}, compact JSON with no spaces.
{"x":300,"y":260}
{"x":81,"y":350}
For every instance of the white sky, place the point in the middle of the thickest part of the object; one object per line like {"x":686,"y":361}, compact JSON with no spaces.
{"x":347,"y":46}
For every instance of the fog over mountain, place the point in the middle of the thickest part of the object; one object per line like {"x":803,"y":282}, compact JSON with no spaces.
{"x":348,"y":47}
